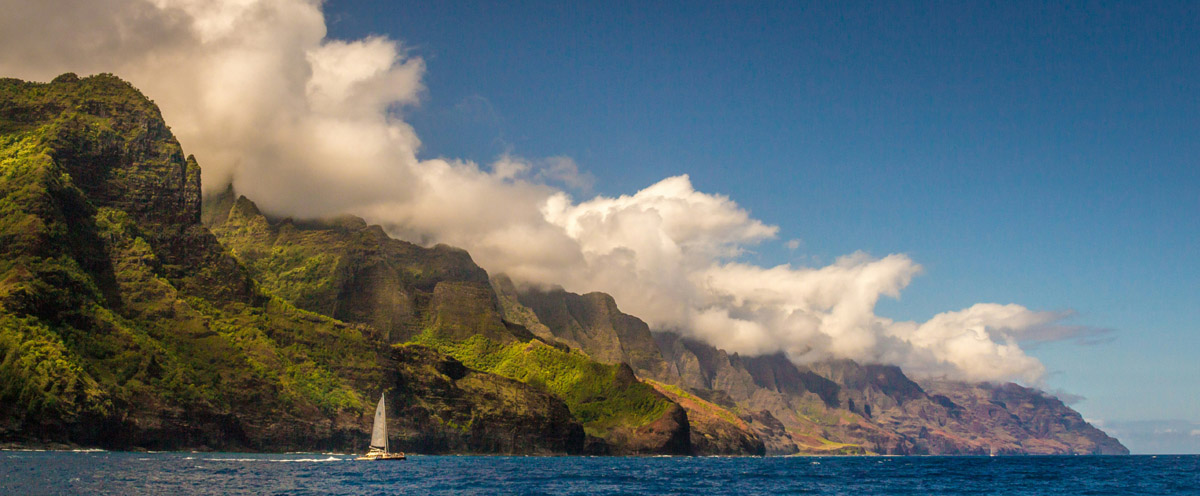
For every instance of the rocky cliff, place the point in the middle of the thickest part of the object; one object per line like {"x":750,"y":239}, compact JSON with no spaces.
{"x":450,"y":408}
{"x":830,"y":407}
{"x":593,"y":323}
{"x":847,"y":407}
{"x":589,"y":322}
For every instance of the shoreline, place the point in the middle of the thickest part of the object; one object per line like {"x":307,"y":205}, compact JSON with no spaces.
{"x":66,"y":448}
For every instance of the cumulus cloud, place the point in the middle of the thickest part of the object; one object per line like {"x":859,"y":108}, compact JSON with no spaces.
{"x":309,"y":126}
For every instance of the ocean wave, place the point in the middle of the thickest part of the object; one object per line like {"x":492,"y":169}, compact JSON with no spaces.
{"x":276,"y":460}
{"x":327,"y":453}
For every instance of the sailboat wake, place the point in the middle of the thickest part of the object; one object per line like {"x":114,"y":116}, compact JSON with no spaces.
{"x":275,"y":460}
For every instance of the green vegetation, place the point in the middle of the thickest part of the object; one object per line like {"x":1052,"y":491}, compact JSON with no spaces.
{"x":116,"y":309}
{"x":600,"y":396}
{"x":707,"y":407}
{"x":302,"y":271}
{"x":42,"y":375}
{"x":295,"y":275}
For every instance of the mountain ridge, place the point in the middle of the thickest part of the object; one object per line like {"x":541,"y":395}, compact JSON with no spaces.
{"x":833,"y":406}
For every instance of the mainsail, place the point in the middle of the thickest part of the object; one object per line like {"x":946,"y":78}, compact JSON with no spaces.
{"x":379,"y":438}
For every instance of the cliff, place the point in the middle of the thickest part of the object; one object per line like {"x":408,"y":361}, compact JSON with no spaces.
{"x":850,"y":407}
{"x":593,"y":324}
{"x":830,"y":407}
{"x":123,"y":322}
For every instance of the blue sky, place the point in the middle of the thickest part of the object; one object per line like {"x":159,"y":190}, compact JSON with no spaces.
{"x":1040,"y":154}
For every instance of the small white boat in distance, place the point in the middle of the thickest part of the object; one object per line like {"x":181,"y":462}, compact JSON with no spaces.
{"x":379,"y":438}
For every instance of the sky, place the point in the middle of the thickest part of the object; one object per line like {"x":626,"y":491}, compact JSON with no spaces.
{"x":969,"y":190}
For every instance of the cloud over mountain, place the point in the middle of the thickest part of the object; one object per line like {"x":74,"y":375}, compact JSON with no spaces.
{"x":310,"y":126}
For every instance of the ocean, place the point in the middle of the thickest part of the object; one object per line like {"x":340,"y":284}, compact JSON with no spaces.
{"x":101,"y":472}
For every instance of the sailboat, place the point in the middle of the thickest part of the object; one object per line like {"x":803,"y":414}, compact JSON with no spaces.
{"x":379,"y":438}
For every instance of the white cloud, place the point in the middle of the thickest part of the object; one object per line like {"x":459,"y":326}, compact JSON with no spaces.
{"x":308,"y":126}
{"x":558,"y":170}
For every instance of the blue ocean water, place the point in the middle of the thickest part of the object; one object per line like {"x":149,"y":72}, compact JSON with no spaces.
{"x":98,"y":473}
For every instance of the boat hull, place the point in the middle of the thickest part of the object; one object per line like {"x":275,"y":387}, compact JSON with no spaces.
{"x":382,"y":456}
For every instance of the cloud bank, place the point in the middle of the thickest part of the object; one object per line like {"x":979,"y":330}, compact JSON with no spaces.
{"x":1155,"y":436}
{"x":309,"y":126}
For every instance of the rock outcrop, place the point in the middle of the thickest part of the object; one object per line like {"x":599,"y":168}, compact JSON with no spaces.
{"x":444,"y":407}
{"x":715,"y":429}
{"x":592,"y":323}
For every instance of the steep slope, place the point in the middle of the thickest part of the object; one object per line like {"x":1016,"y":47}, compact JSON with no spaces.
{"x":594,"y":324}
{"x":590,"y":322}
{"x":438,"y":298}
{"x":350,"y":271}
{"x":792,"y":410}
{"x":841,"y":405}
{"x":125,"y":322}
{"x":1023,"y":420}
{"x":715,"y":428}
{"x":450,"y":408}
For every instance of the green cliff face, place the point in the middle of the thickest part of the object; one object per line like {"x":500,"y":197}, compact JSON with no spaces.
{"x":715,"y":428}
{"x":123,"y":322}
{"x":624,"y":349}
{"x":347,"y":270}
{"x":592,"y":322}
{"x":446,"y":407}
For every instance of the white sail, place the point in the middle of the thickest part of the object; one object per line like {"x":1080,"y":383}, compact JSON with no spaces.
{"x":379,"y":438}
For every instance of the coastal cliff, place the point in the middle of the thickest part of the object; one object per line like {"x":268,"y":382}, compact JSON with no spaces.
{"x":135,"y":314}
